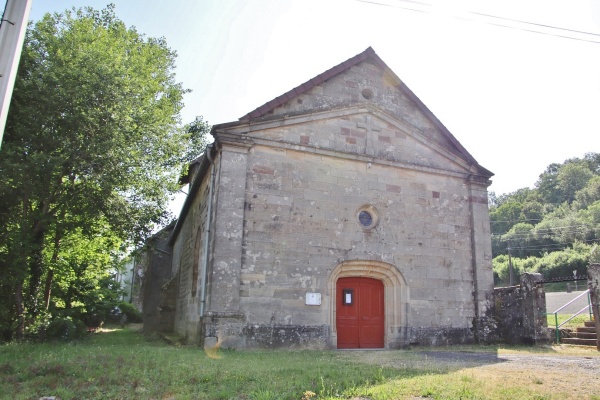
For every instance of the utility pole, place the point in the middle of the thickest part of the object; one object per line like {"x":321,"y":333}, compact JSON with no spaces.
{"x":12,"y":35}
{"x":511,"y":271}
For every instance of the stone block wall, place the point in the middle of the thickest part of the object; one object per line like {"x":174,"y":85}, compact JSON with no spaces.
{"x":157,"y":314}
{"x":290,"y":186}
{"x":520,"y":312}
{"x":300,"y":221}
{"x":347,"y":89}
{"x":188,"y":251}
{"x":594,"y":288}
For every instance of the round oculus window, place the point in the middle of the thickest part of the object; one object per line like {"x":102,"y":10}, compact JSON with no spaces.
{"x":367,"y":216}
{"x":365,"y":219}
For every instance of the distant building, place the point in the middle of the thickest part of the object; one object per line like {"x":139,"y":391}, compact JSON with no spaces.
{"x":341,"y":214}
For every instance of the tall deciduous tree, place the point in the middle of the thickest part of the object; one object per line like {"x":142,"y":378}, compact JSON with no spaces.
{"x":572,"y":178}
{"x":93,"y":135}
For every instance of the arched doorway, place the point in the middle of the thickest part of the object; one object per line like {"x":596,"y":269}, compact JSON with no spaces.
{"x":395,"y":298}
{"x":360,"y":313}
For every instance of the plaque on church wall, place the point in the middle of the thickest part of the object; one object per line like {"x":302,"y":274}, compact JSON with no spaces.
{"x":313,"y":299}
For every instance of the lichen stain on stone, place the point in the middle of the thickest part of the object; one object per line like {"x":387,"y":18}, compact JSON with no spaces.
{"x":222,"y":265}
{"x":235,"y":234}
{"x":304,"y":279}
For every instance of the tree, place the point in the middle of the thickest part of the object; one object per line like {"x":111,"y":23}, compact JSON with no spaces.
{"x":560,"y":182}
{"x":505,"y":216}
{"x":547,"y":185}
{"x":588,"y":195}
{"x":93,"y":135}
{"x":571,"y":179}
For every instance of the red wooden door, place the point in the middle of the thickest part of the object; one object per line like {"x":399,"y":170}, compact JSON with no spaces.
{"x":359,"y":313}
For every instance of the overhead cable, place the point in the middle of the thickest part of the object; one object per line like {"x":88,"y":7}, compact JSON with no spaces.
{"x":494,"y":17}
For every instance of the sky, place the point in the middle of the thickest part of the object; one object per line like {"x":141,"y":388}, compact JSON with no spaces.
{"x":517,"y":100}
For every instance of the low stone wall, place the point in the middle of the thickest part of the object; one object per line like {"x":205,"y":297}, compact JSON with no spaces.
{"x":520,"y":312}
{"x":594,"y":287}
{"x":233,"y":331}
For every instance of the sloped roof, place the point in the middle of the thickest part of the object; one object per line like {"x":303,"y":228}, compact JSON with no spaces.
{"x":368,"y":54}
{"x":317,"y":80}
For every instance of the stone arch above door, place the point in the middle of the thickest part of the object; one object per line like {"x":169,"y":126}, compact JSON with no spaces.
{"x":396,"y":297}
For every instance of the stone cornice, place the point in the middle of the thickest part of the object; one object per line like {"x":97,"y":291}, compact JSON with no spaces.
{"x":243,"y":134}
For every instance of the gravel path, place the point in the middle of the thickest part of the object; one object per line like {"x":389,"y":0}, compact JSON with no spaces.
{"x":577,"y":375}
{"x":584,"y":365}
{"x":581,"y":364}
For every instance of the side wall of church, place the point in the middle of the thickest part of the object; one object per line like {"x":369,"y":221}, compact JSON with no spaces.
{"x":188,"y":253}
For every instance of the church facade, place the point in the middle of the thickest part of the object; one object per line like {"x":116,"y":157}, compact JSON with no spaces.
{"x":341,"y":214}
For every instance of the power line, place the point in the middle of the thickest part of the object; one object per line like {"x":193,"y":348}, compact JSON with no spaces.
{"x":527,"y":235}
{"x":517,"y":21}
{"x":554,"y":245}
{"x":542,"y":231}
{"x":493,"y":23}
{"x":515,"y":220}
{"x":536,"y":24}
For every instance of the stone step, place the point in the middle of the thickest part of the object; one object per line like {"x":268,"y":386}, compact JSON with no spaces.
{"x":583,"y":335}
{"x":580,"y":342}
{"x":586,"y":329}
{"x":590,"y":324}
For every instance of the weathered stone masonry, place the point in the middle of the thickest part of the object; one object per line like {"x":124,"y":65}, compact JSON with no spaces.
{"x":290,"y":180}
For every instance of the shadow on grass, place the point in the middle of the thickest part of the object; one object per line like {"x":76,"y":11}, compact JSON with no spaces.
{"x":449,"y":358}
{"x":468,"y":356}
{"x":462,"y":359}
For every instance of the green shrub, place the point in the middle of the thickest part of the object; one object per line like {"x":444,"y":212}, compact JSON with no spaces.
{"x":65,"y":328}
{"x":132,"y":313}
{"x":36,"y":329}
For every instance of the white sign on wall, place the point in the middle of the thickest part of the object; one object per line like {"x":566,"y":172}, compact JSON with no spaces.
{"x":313,"y":299}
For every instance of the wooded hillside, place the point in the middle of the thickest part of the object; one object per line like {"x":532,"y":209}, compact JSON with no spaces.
{"x":552,"y":228}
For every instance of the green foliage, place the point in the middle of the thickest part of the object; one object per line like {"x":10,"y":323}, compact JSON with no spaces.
{"x":562,"y":263}
{"x":65,"y":328}
{"x":550,"y":222}
{"x":37,"y":326}
{"x":92,"y":153}
{"x":588,"y":195}
{"x":131,"y":312}
{"x":595,"y":254}
{"x":560,"y":182}
{"x":571,"y":179}
{"x":504,"y":216}
{"x":550,"y":265}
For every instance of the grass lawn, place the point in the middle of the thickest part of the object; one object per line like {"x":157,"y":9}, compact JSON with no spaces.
{"x":572,"y":324}
{"x":123,"y":364}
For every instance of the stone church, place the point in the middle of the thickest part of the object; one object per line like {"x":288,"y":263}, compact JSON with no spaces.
{"x":341,"y":214}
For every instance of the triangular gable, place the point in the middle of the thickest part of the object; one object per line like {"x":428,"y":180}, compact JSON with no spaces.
{"x":370,"y":56}
{"x":308,"y":85}
{"x":344,"y":130}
